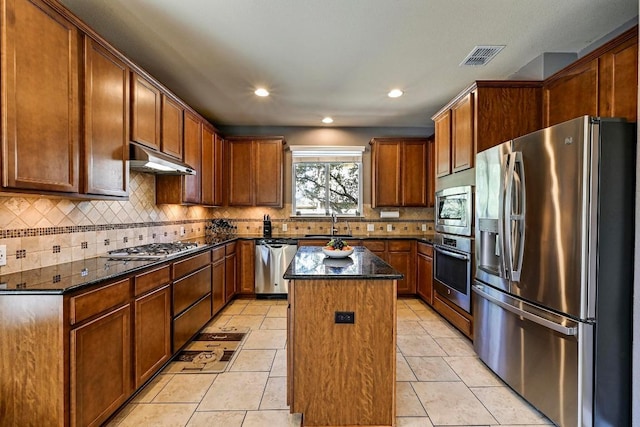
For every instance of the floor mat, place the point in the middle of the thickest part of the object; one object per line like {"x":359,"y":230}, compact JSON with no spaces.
{"x":210,"y":352}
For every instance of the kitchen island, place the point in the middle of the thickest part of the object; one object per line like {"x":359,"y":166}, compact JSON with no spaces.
{"x":341,"y":350}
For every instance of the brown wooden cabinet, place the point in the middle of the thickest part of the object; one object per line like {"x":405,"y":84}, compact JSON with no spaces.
{"x":424,"y":272}
{"x":146,"y":104}
{"x":399,"y":168}
{"x":41,"y":103}
{"x":230,"y":271}
{"x":152,"y":320}
{"x":212,"y":167}
{"x":185,"y":189}
{"x":602,"y":83}
{"x":482,"y":116}
{"x":217,"y":279}
{"x":255,"y":171}
{"x":106,"y":122}
{"x":171,"y":136}
{"x":431,"y":171}
{"x":401,"y":255}
{"x":246,"y":252}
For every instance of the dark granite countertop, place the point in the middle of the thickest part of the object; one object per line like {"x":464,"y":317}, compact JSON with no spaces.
{"x":72,"y":276}
{"x":311,"y":263}
{"x":424,"y":238}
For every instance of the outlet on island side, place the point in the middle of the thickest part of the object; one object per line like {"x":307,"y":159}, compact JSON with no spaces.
{"x":3,"y":255}
{"x":345,"y":317}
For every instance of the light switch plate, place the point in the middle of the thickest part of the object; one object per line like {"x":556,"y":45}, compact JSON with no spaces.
{"x":389,"y":227}
{"x":3,"y":254}
{"x":370,"y":227}
{"x":424,"y":227}
{"x":182,"y":231}
{"x":285,"y":227}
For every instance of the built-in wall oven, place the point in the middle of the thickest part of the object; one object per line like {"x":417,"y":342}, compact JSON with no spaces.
{"x":453,"y":268}
{"x":454,"y":210}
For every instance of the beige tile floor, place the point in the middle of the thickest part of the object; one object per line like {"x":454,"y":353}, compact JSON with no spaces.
{"x":440,"y":381}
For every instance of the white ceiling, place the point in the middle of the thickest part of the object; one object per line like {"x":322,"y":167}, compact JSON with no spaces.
{"x":338,"y":57}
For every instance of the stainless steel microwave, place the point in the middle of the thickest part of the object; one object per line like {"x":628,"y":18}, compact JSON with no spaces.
{"x":454,"y":210}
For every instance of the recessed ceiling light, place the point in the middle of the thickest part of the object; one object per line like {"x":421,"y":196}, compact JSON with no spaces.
{"x":395,"y":93}
{"x":327,"y":120}
{"x":261,"y":92}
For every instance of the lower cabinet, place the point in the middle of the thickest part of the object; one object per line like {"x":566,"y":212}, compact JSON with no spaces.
{"x":246,"y":252}
{"x":191,"y":321}
{"x":424,"y":272}
{"x":100,"y":362}
{"x":401,"y":255}
{"x":230,"y":271}
{"x":217,"y":279}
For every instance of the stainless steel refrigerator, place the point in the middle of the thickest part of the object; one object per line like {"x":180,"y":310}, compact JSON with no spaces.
{"x":554,"y":268}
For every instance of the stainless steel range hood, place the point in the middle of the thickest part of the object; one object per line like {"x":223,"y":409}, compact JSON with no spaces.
{"x":144,"y":159}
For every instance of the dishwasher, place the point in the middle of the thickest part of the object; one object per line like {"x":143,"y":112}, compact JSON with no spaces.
{"x":273,"y":256}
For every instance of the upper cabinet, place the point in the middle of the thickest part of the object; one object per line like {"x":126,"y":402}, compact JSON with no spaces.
{"x":482,"y":116}
{"x":255,"y":173}
{"x":106,"y":122}
{"x":603,"y":83}
{"x":172,"y":127}
{"x":145,"y":112}
{"x":212,"y":164}
{"x":400,"y":172}
{"x":40,"y":99}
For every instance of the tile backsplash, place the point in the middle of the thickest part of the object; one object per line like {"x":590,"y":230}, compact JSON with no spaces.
{"x":42,"y":231}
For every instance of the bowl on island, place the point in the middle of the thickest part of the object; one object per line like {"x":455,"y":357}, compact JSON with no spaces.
{"x":335,"y":253}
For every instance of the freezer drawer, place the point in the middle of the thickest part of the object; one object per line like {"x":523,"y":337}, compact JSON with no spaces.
{"x":538,"y":362}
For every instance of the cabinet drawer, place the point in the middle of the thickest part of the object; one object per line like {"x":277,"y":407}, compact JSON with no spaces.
{"x":425,"y":249}
{"x":458,"y":320}
{"x":94,"y":302}
{"x":152,"y":279}
{"x":230,"y":248}
{"x":399,"y":245}
{"x":186,"y":266}
{"x":217,"y":254}
{"x":191,"y":321}
{"x":191,"y":288}
{"x":374,"y":245}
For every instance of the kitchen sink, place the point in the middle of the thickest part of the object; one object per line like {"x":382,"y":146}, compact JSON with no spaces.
{"x":327,"y":236}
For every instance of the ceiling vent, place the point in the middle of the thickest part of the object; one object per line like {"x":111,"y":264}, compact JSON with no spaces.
{"x":481,"y":55}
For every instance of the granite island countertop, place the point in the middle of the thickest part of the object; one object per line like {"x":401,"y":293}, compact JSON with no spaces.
{"x":311,"y":263}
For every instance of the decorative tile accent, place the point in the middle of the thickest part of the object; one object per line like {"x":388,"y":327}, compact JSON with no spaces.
{"x":56,"y":249}
{"x":84,"y":245}
{"x":21,"y":253}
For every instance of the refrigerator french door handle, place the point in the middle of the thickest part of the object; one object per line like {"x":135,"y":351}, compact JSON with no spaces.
{"x":573,"y":331}
{"x":514,"y":266}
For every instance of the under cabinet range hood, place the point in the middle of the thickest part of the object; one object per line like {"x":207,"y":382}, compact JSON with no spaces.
{"x":144,"y":159}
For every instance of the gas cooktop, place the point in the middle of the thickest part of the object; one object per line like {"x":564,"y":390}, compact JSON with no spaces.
{"x":153,"y":250}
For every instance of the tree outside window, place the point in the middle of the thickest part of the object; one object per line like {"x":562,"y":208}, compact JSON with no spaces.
{"x":324,"y":188}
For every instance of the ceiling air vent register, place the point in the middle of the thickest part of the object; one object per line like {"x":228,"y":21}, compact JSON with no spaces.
{"x":481,"y":55}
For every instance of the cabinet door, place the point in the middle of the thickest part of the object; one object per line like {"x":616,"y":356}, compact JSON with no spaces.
{"x":106,"y":127}
{"x":152,"y":334}
{"x":217,"y":283}
{"x":618,"y":81}
{"x":207,"y":175}
{"x":386,"y":173}
{"x":192,"y":157}
{"x":443,"y":144}
{"x":218,"y":170}
{"x":267,"y":182}
{"x":230,"y":276}
{"x":100,"y":367}
{"x":424,"y":280}
{"x":431,"y":172}
{"x":240,"y":173}
{"x":462,"y":148}
{"x":40,"y":101}
{"x":414,"y":173}
{"x":401,"y":261}
{"x":572,"y":94}
{"x":172,"y":127}
{"x":246,"y":267}
{"x":145,"y":112}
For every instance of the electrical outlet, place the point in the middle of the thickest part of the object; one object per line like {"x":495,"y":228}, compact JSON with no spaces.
{"x":3,"y":254}
{"x":424,"y":227}
{"x":285,"y":227}
{"x":182,"y":231}
{"x":389,"y":227}
{"x":371,"y":227}
{"x":345,"y":317}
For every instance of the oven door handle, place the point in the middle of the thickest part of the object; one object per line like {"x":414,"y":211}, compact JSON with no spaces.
{"x":549,"y":324}
{"x":452,"y":254}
